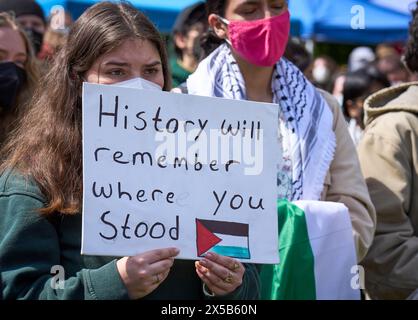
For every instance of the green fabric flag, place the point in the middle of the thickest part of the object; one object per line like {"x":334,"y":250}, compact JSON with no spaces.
{"x":317,"y":254}
{"x":296,"y":256}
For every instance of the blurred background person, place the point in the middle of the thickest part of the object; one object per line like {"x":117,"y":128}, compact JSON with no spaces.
{"x":187,"y":32}
{"x":323,"y":71}
{"x":30,"y":16}
{"x":338,"y":87}
{"x":299,"y":56}
{"x":360,"y":58}
{"x":389,"y":159}
{"x":385,"y":50}
{"x":394,"y":69}
{"x":358,"y":85}
{"x":56,"y":34}
{"x":18,"y":73}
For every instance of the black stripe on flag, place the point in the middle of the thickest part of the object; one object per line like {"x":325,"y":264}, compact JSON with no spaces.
{"x":224,"y":227}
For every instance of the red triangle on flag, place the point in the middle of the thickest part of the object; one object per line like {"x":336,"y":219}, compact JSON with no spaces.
{"x":205,"y":238}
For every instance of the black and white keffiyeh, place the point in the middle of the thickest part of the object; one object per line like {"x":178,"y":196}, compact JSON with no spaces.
{"x":308,"y":118}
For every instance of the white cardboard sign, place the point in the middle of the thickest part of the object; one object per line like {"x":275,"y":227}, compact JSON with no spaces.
{"x":171,"y":170}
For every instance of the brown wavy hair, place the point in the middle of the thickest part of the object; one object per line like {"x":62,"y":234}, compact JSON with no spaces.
{"x":47,"y":143}
{"x":31,"y":66}
{"x":411,"y":51}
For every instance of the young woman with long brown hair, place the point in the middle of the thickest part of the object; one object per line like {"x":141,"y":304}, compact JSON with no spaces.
{"x":41,"y":181}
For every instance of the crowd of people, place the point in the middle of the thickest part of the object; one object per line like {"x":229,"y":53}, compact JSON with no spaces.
{"x":361,"y":120}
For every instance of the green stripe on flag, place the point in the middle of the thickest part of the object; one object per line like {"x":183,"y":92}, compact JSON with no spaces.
{"x":234,"y":252}
{"x":293,"y":278}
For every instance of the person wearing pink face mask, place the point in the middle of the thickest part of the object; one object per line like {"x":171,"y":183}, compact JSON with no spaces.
{"x":247,"y":40}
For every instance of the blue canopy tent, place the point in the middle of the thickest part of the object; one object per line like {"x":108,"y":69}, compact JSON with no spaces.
{"x":162,"y":12}
{"x":322,"y":20}
{"x":331,"y":21}
{"x":403,"y":6}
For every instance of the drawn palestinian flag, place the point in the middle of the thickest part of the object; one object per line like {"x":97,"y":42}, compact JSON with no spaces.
{"x":222,"y":237}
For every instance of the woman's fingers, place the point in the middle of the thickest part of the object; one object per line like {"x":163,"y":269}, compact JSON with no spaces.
{"x":227,"y":283}
{"x":227,"y":262}
{"x":144,"y":272}
{"x":221,"y":274}
{"x":161,"y":266}
{"x":217,"y":272}
{"x":159,"y":254}
{"x":216,"y":289}
{"x":153,"y":263}
{"x":226,"y":275}
{"x":159,"y":278}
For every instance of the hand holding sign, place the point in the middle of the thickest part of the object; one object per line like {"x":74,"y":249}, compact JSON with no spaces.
{"x":144,"y":272}
{"x":223,"y":275}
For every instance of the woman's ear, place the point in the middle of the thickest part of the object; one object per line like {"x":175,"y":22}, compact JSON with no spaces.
{"x":217,"y":26}
{"x":180,"y":41}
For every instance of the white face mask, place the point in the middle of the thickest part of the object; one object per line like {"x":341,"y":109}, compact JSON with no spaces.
{"x":138,"y":83}
{"x":321,"y":74}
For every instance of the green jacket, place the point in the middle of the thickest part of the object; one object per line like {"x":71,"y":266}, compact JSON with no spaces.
{"x":31,"y":245}
{"x":178,"y":73}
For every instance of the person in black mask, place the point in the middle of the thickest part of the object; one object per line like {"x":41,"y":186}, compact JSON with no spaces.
{"x":30,"y":16}
{"x":18,"y":73}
